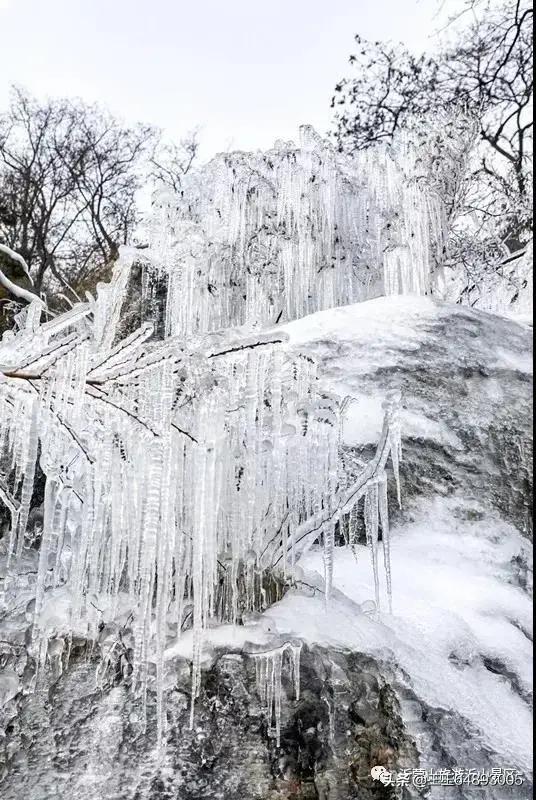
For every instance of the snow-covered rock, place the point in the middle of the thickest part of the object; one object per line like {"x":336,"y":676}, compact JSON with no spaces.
{"x":466,"y":383}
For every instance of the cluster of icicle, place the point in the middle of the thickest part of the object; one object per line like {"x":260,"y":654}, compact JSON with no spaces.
{"x":178,"y":472}
{"x":264,"y":237}
{"x":182,"y":471}
{"x":269,"y":667}
{"x":342,"y":511}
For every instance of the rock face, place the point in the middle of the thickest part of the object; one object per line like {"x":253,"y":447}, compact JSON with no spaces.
{"x":70,"y":739}
{"x":442,"y":682}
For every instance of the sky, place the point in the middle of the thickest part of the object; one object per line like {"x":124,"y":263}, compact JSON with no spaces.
{"x":245,"y":72}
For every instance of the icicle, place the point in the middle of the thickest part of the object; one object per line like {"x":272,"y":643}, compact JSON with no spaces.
{"x":384,"y":519}
{"x":254,"y":238}
{"x":180,"y":471}
{"x":331,"y":715}
{"x":371,"y":527}
{"x":329,"y":548}
{"x":295,"y":650}
{"x":391,"y":407}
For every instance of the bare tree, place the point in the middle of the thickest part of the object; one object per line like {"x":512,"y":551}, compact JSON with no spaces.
{"x":69,"y":174}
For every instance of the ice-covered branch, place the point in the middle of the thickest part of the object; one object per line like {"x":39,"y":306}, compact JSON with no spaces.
{"x":371,"y":484}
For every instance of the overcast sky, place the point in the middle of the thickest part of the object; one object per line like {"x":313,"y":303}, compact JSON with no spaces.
{"x":245,"y":71}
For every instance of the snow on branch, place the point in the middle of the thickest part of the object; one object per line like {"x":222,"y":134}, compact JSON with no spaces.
{"x":11,"y":254}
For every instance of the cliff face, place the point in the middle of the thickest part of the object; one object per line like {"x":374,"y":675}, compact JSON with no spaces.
{"x":76,"y":741}
{"x":442,"y":681}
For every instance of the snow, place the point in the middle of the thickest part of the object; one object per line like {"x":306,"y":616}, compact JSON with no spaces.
{"x":227,"y":637}
{"x":14,"y":288}
{"x":520,"y":362}
{"x":363,"y":338}
{"x":455,"y":601}
{"x":379,"y":330}
{"x":18,"y":291}
{"x":363,"y":419}
{"x":392,"y":316}
{"x":355,"y":341}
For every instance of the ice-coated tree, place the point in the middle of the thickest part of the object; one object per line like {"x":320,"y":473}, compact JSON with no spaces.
{"x":471,"y":105}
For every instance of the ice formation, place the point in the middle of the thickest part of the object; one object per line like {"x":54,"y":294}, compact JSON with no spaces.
{"x":180,"y":472}
{"x":265,"y":237}
{"x":269,"y":665}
